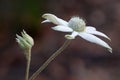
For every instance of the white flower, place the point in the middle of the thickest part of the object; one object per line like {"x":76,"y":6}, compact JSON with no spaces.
{"x":25,"y":41}
{"x":77,"y":27}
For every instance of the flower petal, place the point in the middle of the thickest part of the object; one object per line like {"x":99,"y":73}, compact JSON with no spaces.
{"x":52,"y":18}
{"x":45,"y":21}
{"x":93,"y":39}
{"x":92,"y":30}
{"x":72,"y":36}
{"x":62,"y":28}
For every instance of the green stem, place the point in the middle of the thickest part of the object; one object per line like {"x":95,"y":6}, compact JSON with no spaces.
{"x":28,"y":56}
{"x":50,"y":59}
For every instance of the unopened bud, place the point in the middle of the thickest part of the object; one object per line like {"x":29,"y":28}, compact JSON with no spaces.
{"x":25,"y":41}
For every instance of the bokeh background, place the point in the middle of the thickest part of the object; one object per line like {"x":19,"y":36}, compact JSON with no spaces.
{"x":80,"y":61}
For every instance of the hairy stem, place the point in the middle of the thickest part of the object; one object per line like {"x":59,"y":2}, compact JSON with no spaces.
{"x":50,"y":59}
{"x":28,"y":57}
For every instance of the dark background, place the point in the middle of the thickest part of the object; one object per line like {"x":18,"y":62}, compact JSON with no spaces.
{"x":80,"y":61}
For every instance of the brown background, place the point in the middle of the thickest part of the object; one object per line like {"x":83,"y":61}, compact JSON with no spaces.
{"x":80,"y":61}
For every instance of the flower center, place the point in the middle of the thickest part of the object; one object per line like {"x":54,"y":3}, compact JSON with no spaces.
{"x":77,"y":24}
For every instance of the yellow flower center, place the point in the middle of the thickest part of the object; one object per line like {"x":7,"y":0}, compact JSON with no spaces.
{"x":77,"y":24}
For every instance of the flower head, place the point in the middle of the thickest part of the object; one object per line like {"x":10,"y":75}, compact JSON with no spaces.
{"x":25,"y":41}
{"x":77,"y":27}
{"x":77,"y":24}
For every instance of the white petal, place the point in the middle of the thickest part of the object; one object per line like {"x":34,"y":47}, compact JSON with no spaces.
{"x":91,"y":30}
{"x":52,"y":18}
{"x":45,"y":21}
{"x":62,"y":28}
{"x":93,"y":39}
{"x":72,"y":36}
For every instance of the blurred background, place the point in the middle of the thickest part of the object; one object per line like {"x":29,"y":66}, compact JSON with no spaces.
{"x":80,"y":61}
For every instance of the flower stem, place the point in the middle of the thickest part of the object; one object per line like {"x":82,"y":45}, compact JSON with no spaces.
{"x":28,"y":57}
{"x":66,"y":43}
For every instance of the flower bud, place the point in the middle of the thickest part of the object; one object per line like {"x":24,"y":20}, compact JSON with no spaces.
{"x":25,"y":41}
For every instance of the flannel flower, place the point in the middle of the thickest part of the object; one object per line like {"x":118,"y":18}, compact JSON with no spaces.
{"x":77,"y":27}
